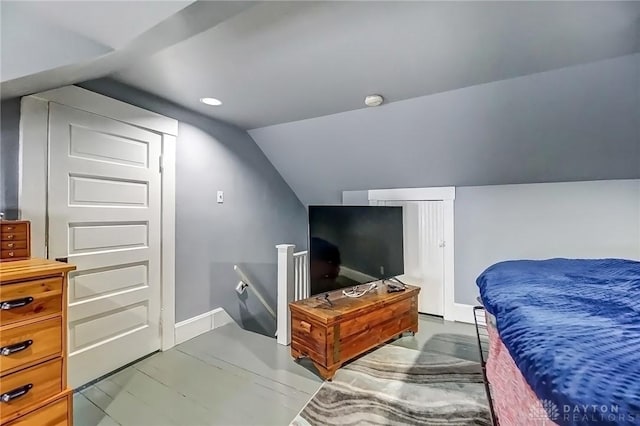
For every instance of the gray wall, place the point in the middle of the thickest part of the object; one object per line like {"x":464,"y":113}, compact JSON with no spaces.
{"x":259,"y":211}
{"x":571,"y":124}
{"x":355,"y":198}
{"x":9,"y":150}
{"x":539,"y":221}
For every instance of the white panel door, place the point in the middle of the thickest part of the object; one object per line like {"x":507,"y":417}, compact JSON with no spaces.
{"x":424,"y":251}
{"x":104,"y":216}
{"x":431,"y":231}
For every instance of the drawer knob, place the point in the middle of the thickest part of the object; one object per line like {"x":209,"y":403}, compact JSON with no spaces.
{"x":16,"y":393}
{"x":11,"y":254}
{"x":17,"y":347}
{"x":10,"y":237}
{"x":15,"y":303}
{"x":10,"y":228}
{"x":10,"y":245}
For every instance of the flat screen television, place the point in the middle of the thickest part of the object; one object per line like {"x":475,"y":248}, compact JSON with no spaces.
{"x":352,"y":245}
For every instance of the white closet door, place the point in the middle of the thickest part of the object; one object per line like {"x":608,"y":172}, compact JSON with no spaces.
{"x":431,"y":230}
{"x":104,"y":216}
{"x":424,"y":251}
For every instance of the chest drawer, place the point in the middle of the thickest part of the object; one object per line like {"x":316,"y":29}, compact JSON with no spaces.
{"x":54,"y":414}
{"x":30,"y":299}
{"x":14,"y":253}
{"x":27,"y":344}
{"x":13,"y":236}
{"x":24,"y":388}
{"x":13,"y":227}
{"x":13,"y":245}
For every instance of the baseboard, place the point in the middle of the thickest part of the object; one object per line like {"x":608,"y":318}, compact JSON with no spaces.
{"x":193,"y":327}
{"x":460,"y":313}
{"x":463,"y":313}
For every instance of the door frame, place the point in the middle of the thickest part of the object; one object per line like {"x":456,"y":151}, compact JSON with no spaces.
{"x":33,"y":176}
{"x":452,"y":311}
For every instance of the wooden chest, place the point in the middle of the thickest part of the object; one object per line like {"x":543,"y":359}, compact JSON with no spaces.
{"x":331,"y":335}
{"x":15,"y":240}
{"x":33,"y":333}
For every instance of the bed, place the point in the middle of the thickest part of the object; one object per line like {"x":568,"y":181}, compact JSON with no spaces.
{"x":564,"y":340}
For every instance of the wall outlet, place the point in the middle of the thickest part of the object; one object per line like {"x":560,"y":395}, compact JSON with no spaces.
{"x":220,"y":197}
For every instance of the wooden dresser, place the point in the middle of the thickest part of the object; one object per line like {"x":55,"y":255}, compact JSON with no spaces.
{"x":33,"y":342}
{"x":332,"y":334}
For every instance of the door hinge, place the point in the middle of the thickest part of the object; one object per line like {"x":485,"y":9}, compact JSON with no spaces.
{"x":160,"y":167}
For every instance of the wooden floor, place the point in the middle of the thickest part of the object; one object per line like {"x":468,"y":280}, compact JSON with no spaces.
{"x":230,"y":376}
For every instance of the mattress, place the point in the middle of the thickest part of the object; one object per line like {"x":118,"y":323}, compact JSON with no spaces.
{"x":572,"y":328}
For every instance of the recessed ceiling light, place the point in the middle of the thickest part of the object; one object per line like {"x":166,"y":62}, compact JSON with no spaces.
{"x":211,"y":101}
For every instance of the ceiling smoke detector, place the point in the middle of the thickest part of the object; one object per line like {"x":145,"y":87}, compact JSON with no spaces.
{"x":373,"y":100}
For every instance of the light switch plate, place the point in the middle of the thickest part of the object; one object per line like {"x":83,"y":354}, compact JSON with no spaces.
{"x":220,"y":197}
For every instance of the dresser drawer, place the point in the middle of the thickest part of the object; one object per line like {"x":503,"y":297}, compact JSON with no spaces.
{"x":54,"y":414}
{"x":20,"y":390}
{"x":13,"y":236}
{"x":30,"y":299}
{"x":27,"y":344}
{"x":12,"y":245}
{"x":8,"y":228}
{"x":13,"y":227}
{"x":14,"y":253}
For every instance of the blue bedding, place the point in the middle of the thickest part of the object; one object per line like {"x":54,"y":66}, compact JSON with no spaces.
{"x":573,"y":329}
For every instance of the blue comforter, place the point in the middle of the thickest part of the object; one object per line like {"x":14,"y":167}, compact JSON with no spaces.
{"x":573,"y":329}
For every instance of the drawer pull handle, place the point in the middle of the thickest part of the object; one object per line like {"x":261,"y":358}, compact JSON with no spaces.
{"x":17,"y":347}
{"x":11,"y":254}
{"x":10,"y":245}
{"x":10,"y":237}
{"x":10,"y":228}
{"x":305,"y":326}
{"x":15,"y":303}
{"x":16,"y":393}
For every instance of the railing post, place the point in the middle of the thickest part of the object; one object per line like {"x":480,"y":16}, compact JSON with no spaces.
{"x":285,"y":291}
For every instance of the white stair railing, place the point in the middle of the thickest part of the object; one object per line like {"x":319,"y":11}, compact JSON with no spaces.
{"x":293,"y":284}
{"x":300,"y":275}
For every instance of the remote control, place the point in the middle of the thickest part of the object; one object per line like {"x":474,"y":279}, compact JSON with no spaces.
{"x":391,"y":288}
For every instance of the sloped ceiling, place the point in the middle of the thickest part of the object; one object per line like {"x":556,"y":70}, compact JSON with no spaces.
{"x":281,"y":61}
{"x":285,"y":61}
{"x":42,"y":35}
{"x":48,"y":44}
{"x":572,"y":124}
{"x":477,"y":93}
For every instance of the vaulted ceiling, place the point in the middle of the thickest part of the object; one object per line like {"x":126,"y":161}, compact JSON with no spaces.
{"x":279,"y":62}
{"x":48,"y":44}
{"x":276,"y":62}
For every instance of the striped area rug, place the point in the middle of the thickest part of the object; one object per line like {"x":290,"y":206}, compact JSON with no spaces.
{"x":398,"y":386}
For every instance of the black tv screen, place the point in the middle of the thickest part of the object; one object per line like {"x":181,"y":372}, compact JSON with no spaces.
{"x":351,"y":245}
